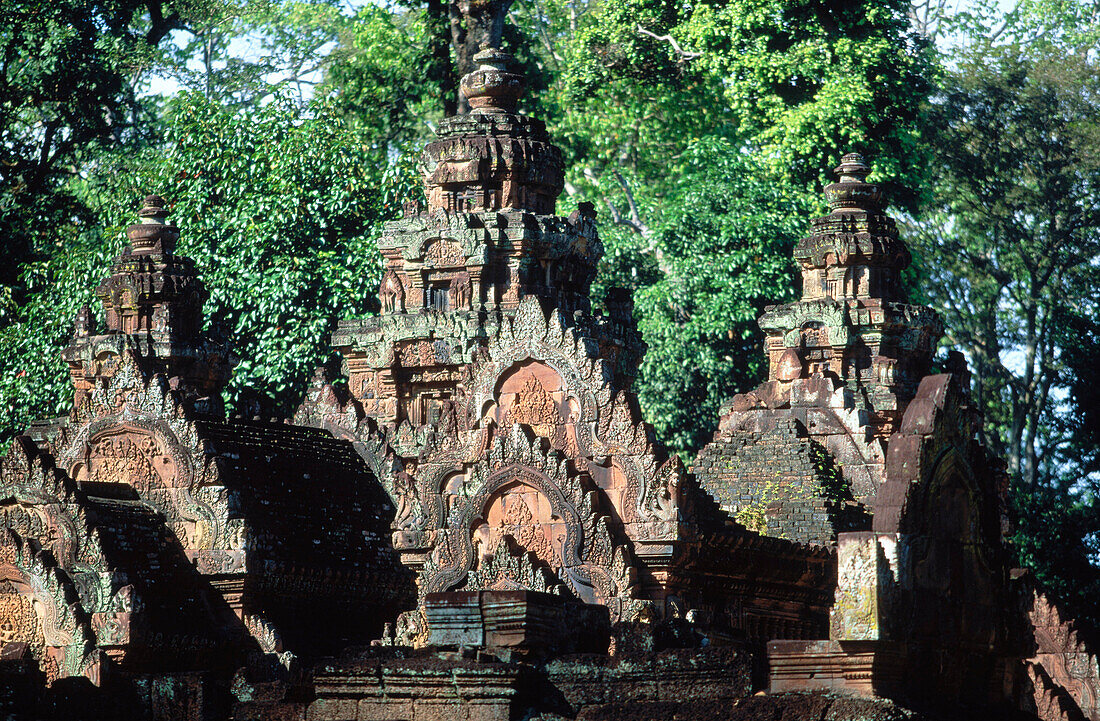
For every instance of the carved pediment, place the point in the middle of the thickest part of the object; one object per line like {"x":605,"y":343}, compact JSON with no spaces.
{"x":441,"y":253}
{"x":132,"y":455}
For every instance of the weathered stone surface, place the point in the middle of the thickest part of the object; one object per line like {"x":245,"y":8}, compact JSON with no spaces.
{"x":484,"y":496}
{"x":865,"y":579}
{"x":528,"y":623}
{"x":496,"y":409}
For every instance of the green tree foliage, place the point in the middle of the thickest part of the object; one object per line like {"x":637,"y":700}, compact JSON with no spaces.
{"x":652,"y":92}
{"x":1012,"y":233}
{"x":65,"y":93}
{"x":801,"y":83}
{"x":1009,"y":240}
{"x":1057,"y":523}
{"x":279,"y":210}
{"x":811,"y":80}
{"x":1057,"y":537}
{"x":720,"y":250}
{"x":382,"y":77}
{"x":243,"y":52}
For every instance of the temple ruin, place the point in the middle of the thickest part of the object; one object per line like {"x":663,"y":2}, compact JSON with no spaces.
{"x":471,"y":520}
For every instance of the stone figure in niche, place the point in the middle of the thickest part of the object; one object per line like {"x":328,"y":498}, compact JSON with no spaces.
{"x":448,"y":417}
{"x":393,"y":294}
{"x":535,"y":407}
{"x":460,"y":291}
{"x":84,"y":323}
{"x":409,"y":516}
{"x":454,"y":487}
{"x":483,"y":544}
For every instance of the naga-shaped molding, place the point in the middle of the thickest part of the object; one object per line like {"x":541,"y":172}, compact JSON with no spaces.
{"x":129,"y":391}
{"x":513,"y":568}
{"x":37,"y":501}
{"x":268,"y":640}
{"x":62,"y":640}
{"x":526,"y":492}
{"x":1062,"y":658}
{"x":324,"y":406}
{"x":467,"y":232}
{"x":533,"y":336}
{"x":530,"y":333}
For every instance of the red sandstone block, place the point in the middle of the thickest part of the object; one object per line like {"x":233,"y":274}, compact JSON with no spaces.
{"x":891,"y":494}
{"x":903,"y":458}
{"x":886,"y":519}
{"x":446,"y":711}
{"x":328,"y":709}
{"x":488,"y":712}
{"x":919,"y":416}
{"x":378,"y":710}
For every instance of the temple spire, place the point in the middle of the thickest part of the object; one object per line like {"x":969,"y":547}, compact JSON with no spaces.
{"x":854,"y":251}
{"x":152,"y":307}
{"x":852,"y":322}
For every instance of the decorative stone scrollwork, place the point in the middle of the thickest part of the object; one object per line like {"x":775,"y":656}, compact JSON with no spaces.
{"x":528,"y":511}
{"x":61,"y":626}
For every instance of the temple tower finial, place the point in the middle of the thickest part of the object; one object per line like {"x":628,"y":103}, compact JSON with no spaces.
{"x":852,"y":191}
{"x":493,"y":88}
{"x":493,"y":158}
{"x":152,"y":306}
{"x":853,"y":323}
{"x":152,"y":233}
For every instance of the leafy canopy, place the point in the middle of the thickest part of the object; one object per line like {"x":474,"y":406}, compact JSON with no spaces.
{"x":708,"y":130}
{"x":279,"y":209}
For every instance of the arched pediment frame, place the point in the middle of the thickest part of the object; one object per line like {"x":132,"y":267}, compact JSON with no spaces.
{"x":152,"y":447}
{"x":39,"y":501}
{"x":62,"y":641}
{"x":585,"y":560}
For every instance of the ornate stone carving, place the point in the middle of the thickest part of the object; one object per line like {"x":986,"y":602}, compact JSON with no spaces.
{"x":152,"y":303}
{"x":509,"y":439}
{"x":61,"y":637}
{"x":1061,"y":664}
{"x":393,"y":293}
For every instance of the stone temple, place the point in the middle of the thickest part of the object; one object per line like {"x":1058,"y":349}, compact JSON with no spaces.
{"x":479,"y":525}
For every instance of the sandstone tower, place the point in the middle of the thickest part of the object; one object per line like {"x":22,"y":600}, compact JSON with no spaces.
{"x":496,"y":408}
{"x":480,"y":526}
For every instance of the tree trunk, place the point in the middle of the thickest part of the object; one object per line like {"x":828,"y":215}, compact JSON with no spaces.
{"x":474,"y":24}
{"x":441,"y":71}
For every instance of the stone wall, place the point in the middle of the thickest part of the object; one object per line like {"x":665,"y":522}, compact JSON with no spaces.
{"x":444,"y":685}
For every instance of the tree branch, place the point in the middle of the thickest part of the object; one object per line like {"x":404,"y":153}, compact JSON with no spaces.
{"x":684,"y":54}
